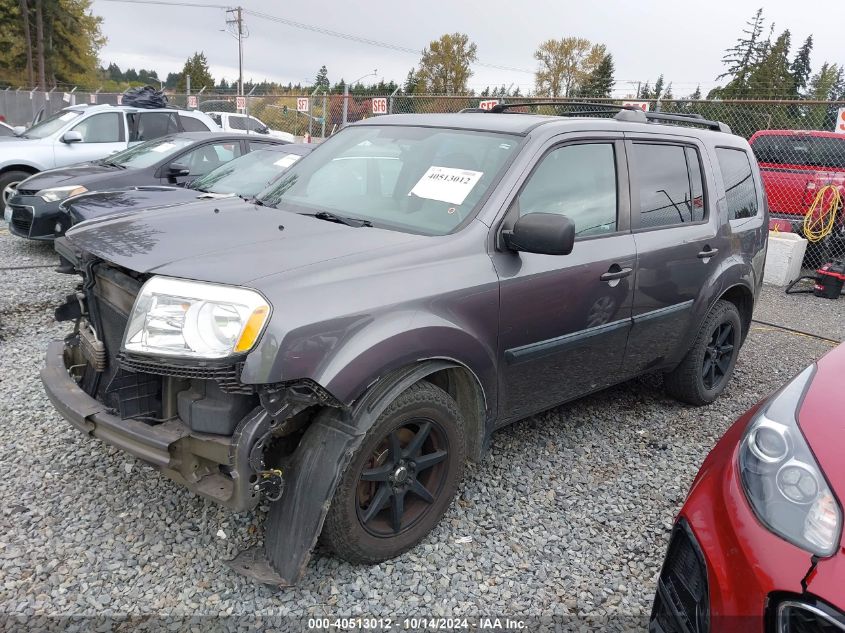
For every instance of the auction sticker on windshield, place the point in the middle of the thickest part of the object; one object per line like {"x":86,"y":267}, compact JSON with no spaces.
{"x":163,"y":147}
{"x":446,"y":184}
{"x":287,"y":161}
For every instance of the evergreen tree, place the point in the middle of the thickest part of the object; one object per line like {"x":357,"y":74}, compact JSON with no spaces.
{"x":322,"y":79}
{"x":599,"y":83}
{"x":411,"y":82}
{"x":771,"y":76}
{"x":800,"y":67}
{"x":668,"y":96}
{"x":696,"y":96}
{"x":196,"y":67}
{"x":657,"y":92}
{"x":741,"y":58}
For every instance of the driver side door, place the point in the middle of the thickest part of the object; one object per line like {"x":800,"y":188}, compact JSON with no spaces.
{"x":565,"y":319}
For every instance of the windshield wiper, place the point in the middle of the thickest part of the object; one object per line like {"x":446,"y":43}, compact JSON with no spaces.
{"x":331,"y":217}
{"x":108,"y":163}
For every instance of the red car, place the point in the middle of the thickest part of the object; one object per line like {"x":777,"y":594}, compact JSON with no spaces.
{"x":756,"y":547}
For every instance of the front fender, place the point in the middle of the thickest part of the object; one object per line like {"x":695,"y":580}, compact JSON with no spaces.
{"x":383,"y":347}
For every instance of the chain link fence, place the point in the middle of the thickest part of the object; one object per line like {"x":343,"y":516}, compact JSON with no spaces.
{"x":801,"y":155}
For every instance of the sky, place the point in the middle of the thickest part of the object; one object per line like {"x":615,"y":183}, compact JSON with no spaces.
{"x":683,"y":41}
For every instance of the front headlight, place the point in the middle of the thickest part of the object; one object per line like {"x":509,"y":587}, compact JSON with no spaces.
{"x":174,"y":317}
{"x":54,"y":194}
{"x":784,"y":484}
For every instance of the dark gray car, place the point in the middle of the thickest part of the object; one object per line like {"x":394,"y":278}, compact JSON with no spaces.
{"x":343,"y":345}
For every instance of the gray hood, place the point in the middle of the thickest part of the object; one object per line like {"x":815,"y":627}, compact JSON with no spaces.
{"x":226,"y":241}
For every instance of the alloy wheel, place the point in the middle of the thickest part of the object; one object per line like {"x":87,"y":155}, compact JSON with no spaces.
{"x":402,"y":478}
{"x":718,"y":355}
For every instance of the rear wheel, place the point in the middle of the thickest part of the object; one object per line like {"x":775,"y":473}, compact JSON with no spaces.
{"x":708,"y":366}
{"x":8,"y":181}
{"x":401,"y":480}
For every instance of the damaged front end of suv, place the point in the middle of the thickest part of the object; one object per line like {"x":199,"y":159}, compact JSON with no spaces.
{"x":122,"y":377}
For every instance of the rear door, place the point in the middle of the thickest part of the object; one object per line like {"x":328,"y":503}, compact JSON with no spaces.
{"x":564,"y":319}
{"x":679,"y":245}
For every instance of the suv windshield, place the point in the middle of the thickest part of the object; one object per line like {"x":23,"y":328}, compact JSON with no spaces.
{"x":51,"y":124}
{"x":247,"y":175}
{"x":805,"y":150}
{"x":414,"y":179}
{"x":148,"y":153}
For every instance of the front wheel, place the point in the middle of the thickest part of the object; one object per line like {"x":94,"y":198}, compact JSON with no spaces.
{"x":401,"y":479}
{"x":8,"y":181}
{"x":709,"y":364}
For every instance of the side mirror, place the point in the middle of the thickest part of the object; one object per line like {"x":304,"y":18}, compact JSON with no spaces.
{"x":264,"y":130}
{"x":542,"y":233}
{"x":177,"y":169}
{"x":72,"y":137}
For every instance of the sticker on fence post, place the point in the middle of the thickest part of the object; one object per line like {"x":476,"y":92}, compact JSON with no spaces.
{"x":119,"y":99}
{"x":642,"y":105}
{"x":488,"y":104}
{"x":92,"y":98}
{"x":446,"y":184}
{"x":66,"y":97}
{"x":840,"y":121}
{"x":192,"y":101}
{"x":302,"y":104}
{"x":380,"y":105}
{"x":240,"y":103}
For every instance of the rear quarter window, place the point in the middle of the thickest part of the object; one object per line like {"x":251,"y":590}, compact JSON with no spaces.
{"x":192,"y":124}
{"x":740,"y":190}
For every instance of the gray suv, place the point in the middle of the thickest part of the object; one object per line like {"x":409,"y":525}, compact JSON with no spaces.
{"x":342,"y":344}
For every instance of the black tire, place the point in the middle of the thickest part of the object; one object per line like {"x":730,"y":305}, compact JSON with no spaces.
{"x":707,"y":368}
{"x":387,"y":456}
{"x":10,"y":178}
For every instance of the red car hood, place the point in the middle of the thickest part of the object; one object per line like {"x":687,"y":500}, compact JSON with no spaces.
{"x":822,"y":420}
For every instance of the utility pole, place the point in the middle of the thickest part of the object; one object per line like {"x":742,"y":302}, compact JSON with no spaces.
{"x":238,"y":22}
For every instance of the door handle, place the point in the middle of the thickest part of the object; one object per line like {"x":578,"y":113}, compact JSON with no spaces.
{"x":616,"y":274}
{"x":708,"y":253}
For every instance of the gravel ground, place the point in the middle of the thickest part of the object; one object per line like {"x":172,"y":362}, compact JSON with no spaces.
{"x":569,"y":514}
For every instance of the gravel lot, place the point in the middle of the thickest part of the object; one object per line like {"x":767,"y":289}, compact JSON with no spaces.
{"x":569,"y":514}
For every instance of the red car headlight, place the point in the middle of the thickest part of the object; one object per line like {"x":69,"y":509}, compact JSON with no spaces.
{"x":782,"y":480}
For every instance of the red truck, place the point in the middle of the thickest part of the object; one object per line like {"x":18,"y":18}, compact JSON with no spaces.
{"x":795,"y":166}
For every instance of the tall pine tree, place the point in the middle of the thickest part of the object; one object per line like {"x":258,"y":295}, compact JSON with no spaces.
{"x":800,"y":67}
{"x":599,"y":83}
{"x":742,"y":57}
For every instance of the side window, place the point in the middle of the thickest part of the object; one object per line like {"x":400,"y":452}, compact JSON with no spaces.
{"x":578,"y":181}
{"x":256,"y":145}
{"x":101,"y":128}
{"x":740,"y":191}
{"x":192,"y":124}
{"x":670,"y":185}
{"x":255,"y":125}
{"x":237,"y":122}
{"x":155,"y":124}
{"x":203,"y":159}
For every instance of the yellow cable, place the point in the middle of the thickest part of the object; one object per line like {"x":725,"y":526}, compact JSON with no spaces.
{"x":818,"y":226}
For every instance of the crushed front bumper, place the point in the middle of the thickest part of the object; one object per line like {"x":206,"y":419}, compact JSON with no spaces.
{"x":213,"y":466}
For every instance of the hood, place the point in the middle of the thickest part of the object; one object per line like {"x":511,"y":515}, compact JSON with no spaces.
{"x":822,"y":422}
{"x":128,"y":199}
{"x":86,"y":174}
{"x":226,"y":241}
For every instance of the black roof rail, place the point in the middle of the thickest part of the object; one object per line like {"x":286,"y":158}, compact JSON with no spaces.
{"x":621,"y":112}
{"x":501,"y":107}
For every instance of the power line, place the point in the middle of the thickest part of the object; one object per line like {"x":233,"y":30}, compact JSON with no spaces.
{"x":318,"y":29}
{"x":172,"y":3}
{"x":366,"y":40}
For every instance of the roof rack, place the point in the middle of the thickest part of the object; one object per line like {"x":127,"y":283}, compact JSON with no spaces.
{"x":629,"y":113}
